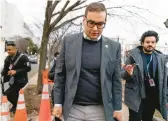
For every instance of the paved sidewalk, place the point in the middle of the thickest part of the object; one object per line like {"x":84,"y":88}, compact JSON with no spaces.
{"x":33,"y":80}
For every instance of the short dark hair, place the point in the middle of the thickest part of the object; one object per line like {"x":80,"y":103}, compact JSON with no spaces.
{"x":148,"y":34}
{"x":95,"y":7}
{"x":10,"y":43}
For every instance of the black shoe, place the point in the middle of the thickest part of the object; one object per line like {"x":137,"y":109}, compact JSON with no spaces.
{"x":13,"y":109}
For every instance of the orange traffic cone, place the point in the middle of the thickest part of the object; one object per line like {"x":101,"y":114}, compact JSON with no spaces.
{"x":4,"y":111}
{"x":21,"y":114}
{"x":45,"y":114}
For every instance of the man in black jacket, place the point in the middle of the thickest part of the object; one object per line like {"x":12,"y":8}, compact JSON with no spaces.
{"x":19,"y":71}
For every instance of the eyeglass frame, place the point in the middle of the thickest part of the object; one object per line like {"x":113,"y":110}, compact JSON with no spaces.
{"x":95,"y":23}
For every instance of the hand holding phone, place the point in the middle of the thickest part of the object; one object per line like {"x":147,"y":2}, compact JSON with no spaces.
{"x":130,"y":68}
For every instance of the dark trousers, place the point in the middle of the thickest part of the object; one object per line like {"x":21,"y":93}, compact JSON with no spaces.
{"x":13,"y":94}
{"x":146,"y":110}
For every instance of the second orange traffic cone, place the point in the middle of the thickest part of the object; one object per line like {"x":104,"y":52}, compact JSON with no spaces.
{"x":45,"y":114}
{"x":21,"y":114}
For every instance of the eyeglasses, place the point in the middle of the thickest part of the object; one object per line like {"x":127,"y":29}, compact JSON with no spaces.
{"x":91,"y":24}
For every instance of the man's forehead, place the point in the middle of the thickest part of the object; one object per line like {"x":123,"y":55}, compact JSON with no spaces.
{"x":10,"y":47}
{"x":96,"y":16}
{"x":150,"y":38}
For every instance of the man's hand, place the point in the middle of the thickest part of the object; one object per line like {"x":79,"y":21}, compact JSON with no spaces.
{"x":57,"y":112}
{"x":117,"y":115}
{"x":129,"y":69}
{"x":11,"y":72}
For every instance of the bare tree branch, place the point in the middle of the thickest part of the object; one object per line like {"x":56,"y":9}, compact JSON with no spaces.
{"x":126,"y":6}
{"x":55,"y":14}
{"x":61,"y":15}
{"x":58,"y":37}
{"x":136,"y":15}
{"x":119,"y":15}
{"x":76,"y":24}
{"x":71,"y":8}
{"x":38,"y":25}
{"x":54,"y":5}
{"x":65,"y":5}
{"x":76,"y":4}
{"x":66,"y":22}
{"x":133,"y":14}
{"x":60,"y":32}
{"x":79,"y":8}
{"x":100,"y":1}
{"x":130,"y":6}
{"x":48,"y":10}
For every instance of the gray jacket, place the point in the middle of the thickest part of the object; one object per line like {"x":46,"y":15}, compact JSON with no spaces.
{"x":134,"y":87}
{"x":68,"y":71}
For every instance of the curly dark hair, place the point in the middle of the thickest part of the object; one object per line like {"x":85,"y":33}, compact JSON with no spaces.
{"x":148,"y":34}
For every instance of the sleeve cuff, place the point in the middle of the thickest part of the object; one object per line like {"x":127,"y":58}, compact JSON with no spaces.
{"x":58,"y":105}
{"x":118,"y":110}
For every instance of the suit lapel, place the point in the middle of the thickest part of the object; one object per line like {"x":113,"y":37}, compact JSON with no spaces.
{"x":78,"y":52}
{"x":104,"y":59}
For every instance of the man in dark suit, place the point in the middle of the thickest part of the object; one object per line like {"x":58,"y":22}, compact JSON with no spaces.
{"x":87,"y":80}
{"x":19,"y":71}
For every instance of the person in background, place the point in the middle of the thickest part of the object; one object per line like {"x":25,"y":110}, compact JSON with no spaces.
{"x":145,"y":88}
{"x":19,"y":71}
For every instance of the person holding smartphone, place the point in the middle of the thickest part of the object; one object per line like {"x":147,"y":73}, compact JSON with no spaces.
{"x":145,"y":88}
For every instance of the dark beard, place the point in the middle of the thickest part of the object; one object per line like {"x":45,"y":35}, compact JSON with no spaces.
{"x":148,"y":50}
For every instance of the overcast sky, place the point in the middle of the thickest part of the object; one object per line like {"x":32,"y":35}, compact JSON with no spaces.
{"x":115,"y":27}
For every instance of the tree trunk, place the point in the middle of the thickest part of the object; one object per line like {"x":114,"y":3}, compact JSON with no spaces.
{"x":44,"y":43}
{"x":43,"y":58}
{"x":49,"y":57}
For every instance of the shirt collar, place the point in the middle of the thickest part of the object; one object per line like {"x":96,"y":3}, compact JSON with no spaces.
{"x":86,"y":37}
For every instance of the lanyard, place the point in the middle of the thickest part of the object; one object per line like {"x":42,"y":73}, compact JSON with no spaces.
{"x":148,"y":66}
